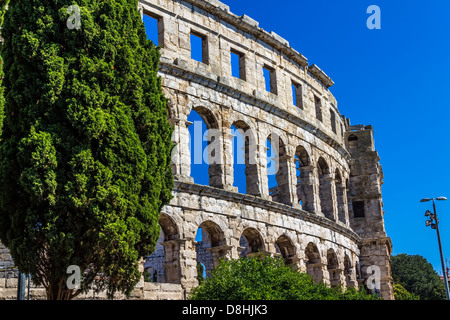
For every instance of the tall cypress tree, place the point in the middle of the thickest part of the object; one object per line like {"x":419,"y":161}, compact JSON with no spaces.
{"x":85,"y":150}
{"x":3,"y":5}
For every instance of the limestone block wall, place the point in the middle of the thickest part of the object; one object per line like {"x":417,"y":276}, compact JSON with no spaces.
{"x":313,"y":220}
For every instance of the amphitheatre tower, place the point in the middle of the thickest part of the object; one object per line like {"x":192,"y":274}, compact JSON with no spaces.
{"x":325,"y":216}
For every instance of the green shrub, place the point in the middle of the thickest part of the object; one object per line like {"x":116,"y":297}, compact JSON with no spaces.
{"x":267,"y":278}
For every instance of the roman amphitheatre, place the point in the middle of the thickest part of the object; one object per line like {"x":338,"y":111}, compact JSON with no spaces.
{"x":325,"y":216}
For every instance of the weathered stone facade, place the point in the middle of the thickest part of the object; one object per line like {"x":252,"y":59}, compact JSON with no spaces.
{"x":328,"y":221}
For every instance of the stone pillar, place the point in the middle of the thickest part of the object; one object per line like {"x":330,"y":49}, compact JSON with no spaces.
{"x":325,"y":274}
{"x":286,"y":193}
{"x":228,"y":170}
{"x":252,"y":172}
{"x":188,"y":266}
{"x":350,"y":279}
{"x":336,"y":277}
{"x":215,"y":151}
{"x":181,"y":155}
{"x":327,"y":196}
{"x":341,"y":200}
{"x":306,"y":189}
{"x":220,"y":252}
{"x":172,"y":270}
{"x":317,"y":271}
{"x":262,"y":165}
{"x":376,"y":253}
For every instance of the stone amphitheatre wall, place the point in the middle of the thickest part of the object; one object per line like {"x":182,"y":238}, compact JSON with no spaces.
{"x":328,"y":221}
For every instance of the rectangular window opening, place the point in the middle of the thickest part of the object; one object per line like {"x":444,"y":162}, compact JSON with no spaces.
{"x":154,"y":28}
{"x":358,"y":209}
{"x":333,"y":121}
{"x":318,"y":104}
{"x":297,"y":95}
{"x":270,"y":79}
{"x":199,"y":47}
{"x":238,"y":64}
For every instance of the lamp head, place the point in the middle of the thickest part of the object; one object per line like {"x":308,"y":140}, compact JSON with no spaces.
{"x":426,"y":200}
{"x":441,"y":198}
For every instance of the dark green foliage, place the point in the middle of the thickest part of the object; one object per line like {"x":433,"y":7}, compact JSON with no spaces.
{"x":400,"y":293}
{"x":417,"y":276}
{"x":85,"y":151}
{"x":267,"y":278}
{"x":3,"y":4}
{"x":200,"y":271}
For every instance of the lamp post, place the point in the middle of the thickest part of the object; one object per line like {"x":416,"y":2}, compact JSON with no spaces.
{"x":434,"y":223}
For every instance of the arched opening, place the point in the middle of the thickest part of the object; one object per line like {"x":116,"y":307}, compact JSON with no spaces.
{"x":277,"y":170}
{"x":348,"y":272}
{"x":333,"y":268}
{"x":205,"y":145}
{"x":163,"y":265}
{"x":340,"y":198}
{"x":325,"y":191}
{"x":305,"y":188}
{"x":244,"y":159}
{"x":251,"y":243}
{"x":209,"y":246}
{"x":286,"y":248}
{"x":313,"y":262}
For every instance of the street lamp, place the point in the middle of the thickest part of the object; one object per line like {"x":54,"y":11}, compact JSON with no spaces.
{"x":434,"y":223}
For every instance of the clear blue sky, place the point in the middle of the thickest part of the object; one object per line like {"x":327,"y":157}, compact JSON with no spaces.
{"x":396,"y":79}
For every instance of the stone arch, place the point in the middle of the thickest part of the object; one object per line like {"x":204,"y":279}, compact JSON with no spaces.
{"x":341,"y":198}
{"x":211,"y":156}
{"x":279,"y":166}
{"x":334,"y":271}
{"x":169,"y":227}
{"x":287,"y":249}
{"x":313,"y":262}
{"x":325,"y":189}
{"x":304,"y":178}
{"x":251,"y":243}
{"x":208,"y":116}
{"x":211,"y":246}
{"x":349,"y":272}
{"x":249,"y":156}
{"x":163,"y":265}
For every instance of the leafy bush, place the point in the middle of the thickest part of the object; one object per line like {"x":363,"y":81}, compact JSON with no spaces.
{"x":400,"y":293}
{"x":267,"y":278}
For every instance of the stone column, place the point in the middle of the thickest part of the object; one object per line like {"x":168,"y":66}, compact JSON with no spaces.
{"x":228,"y":161}
{"x":216,"y":158}
{"x":317,"y":271}
{"x":172,"y":271}
{"x":350,"y":279}
{"x":306,"y":189}
{"x":342,"y":210}
{"x":218,"y":253}
{"x":188,"y":265}
{"x":181,"y":155}
{"x":286,"y":193}
{"x":327,"y":196}
{"x":336,"y":277}
{"x":262,"y":164}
